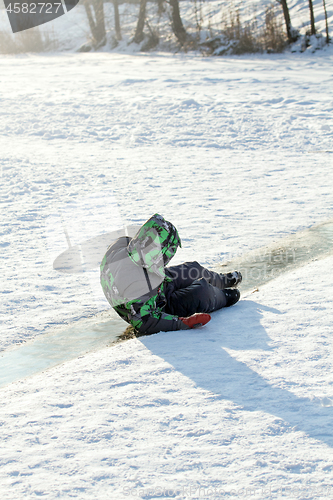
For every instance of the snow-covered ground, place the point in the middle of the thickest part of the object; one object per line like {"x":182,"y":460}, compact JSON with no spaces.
{"x":237,"y":152}
{"x":231,"y":150}
{"x":239,"y":409}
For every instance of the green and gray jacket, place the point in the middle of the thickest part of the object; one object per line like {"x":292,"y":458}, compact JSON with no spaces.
{"x":133,"y":277}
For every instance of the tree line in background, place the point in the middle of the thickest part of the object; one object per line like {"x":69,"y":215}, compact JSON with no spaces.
{"x":234,"y":35}
{"x":213,"y":29}
{"x":95,"y":14}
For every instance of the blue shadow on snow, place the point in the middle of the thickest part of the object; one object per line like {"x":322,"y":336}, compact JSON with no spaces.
{"x":201,"y":356}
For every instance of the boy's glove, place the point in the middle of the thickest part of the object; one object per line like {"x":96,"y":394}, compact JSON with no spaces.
{"x":196,"y":320}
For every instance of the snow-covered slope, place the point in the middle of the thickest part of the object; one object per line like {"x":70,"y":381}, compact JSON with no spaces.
{"x":237,"y":152}
{"x":240,"y":407}
{"x":231,"y":150}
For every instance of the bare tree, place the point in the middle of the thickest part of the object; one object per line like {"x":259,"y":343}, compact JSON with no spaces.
{"x":326,"y":21}
{"x":117,"y":20}
{"x":177,"y":24}
{"x":160,"y":7}
{"x":290,"y":32}
{"x":312,"y":19}
{"x":138,"y":36}
{"x":95,"y":13}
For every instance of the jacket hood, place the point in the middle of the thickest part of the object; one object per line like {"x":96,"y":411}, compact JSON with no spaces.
{"x":154,"y":244}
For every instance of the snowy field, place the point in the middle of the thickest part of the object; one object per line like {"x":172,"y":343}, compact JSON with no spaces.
{"x":243,"y":407}
{"x":231,"y":150}
{"x":237,"y":153}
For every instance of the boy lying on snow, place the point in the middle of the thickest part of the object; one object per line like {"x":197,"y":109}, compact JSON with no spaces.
{"x":154,"y":298}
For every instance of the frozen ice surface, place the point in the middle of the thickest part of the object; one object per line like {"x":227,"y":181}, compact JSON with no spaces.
{"x":236,"y":152}
{"x":67,"y":342}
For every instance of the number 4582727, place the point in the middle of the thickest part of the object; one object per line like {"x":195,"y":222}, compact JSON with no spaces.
{"x":33,"y":8}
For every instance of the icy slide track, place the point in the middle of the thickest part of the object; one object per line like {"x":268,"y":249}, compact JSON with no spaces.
{"x":89,"y":334}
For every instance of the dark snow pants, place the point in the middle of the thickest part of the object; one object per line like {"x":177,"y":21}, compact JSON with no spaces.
{"x":193,"y":289}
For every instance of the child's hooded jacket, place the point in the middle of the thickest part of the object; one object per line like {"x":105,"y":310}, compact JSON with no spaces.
{"x":133,"y":277}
